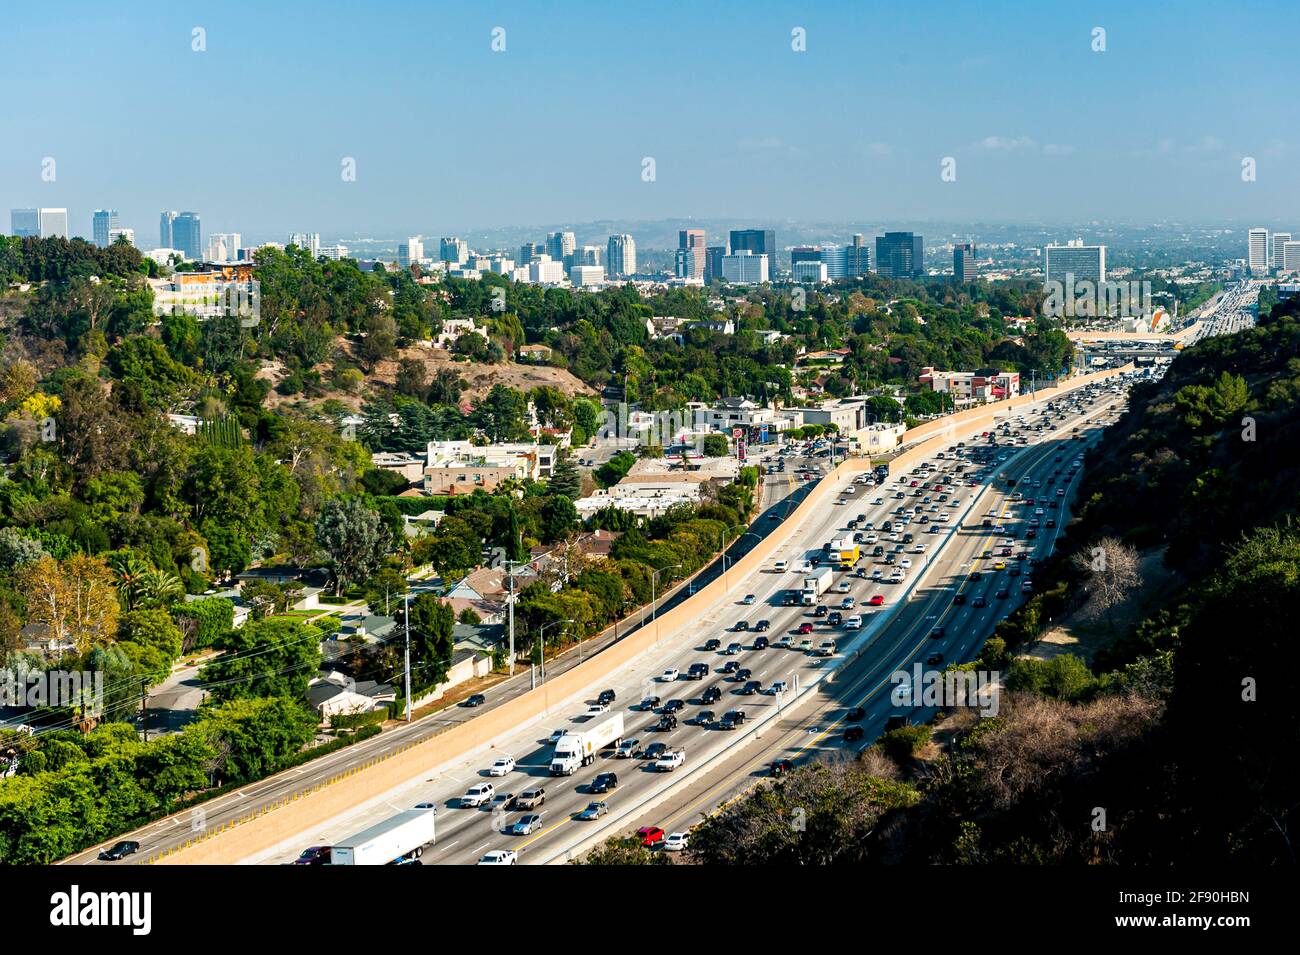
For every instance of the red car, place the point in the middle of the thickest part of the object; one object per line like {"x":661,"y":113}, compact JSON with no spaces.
{"x":650,"y":836}
{"x":805,"y":628}
{"x":877,"y":600}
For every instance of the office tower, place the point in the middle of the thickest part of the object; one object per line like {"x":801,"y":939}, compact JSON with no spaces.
{"x":410,"y":252}
{"x":453,"y":250}
{"x":25,"y":223}
{"x":713,"y":256}
{"x":307,"y":241}
{"x":560,"y":246}
{"x":809,"y":271}
{"x":223,"y":246}
{"x":963,"y":262}
{"x":1280,"y":239}
{"x":1257,"y":250}
{"x":1074,"y":259}
{"x":857,"y":256}
{"x":102,"y":223}
{"x":1290,"y":256}
{"x":758,"y":241}
{"x":587,"y":275}
{"x":165,"y":223}
{"x":587,"y":255}
{"x":127,"y":234}
{"x":54,"y":222}
{"x":530,"y":252}
{"x":187,"y":234}
{"x":620,"y":256}
{"x":334,"y":252}
{"x":689,"y":263}
{"x":900,"y":255}
{"x":745,"y":268}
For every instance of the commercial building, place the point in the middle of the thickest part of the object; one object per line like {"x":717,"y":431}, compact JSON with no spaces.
{"x":102,"y":223}
{"x":25,"y":223}
{"x":620,"y":256}
{"x":165,"y":222}
{"x":187,"y":235}
{"x":689,"y":263}
{"x":986,"y":384}
{"x":1280,"y":239}
{"x":307,"y":241}
{"x":745,"y":268}
{"x":224,"y":246}
{"x":900,"y":255}
{"x":807,"y":271}
{"x":411,"y":251}
{"x":757,"y":241}
{"x":587,"y":276}
{"x":1257,"y":250}
{"x":963,"y":262}
{"x":561,"y":245}
{"x":453,"y":250}
{"x":459,"y":467}
{"x":713,"y":256}
{"x":1083,"y":262}
{"x":1291,"y":256}
{"x":54,"y":223}
{"x":126,"y":234}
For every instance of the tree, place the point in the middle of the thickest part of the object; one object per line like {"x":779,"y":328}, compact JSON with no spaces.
{"x":355,"y":539}
{"x":385,"y":590}
{"x":1112,"y":573}
{"x":501,"y":414}
{"x":272,"y":657}
{"x":74,"y":601}
{"x":565,"y":479}
{"x":715,"y":446}
{"x":432,"y":639}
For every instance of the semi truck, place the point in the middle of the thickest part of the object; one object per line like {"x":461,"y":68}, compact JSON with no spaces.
{"x":398,"y":839}
{"x":816,"y":585}
{"x":576,"y":748}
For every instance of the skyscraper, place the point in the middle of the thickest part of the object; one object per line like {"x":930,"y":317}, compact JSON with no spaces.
{"x":1082,"y":262}
{"x":1280,"y":239}
{"x":54,"y":222}
{"x":187,"y":235}
{"x":102,"y":223}
{"x":713,"y":256}
{"x":165,"y":223}
{"x":453,"y":250}
{"x":530,"y":252}
{"x":412,"y":250}
{"x":758,"y":241}
{"x":900,"y":255}
{"x":857,"y":256}
{"x":25,"y":223}
{"x":1257,"y":250}
{"x":620,"y":256}
{"x":308,"y":241}
{"x":560,"y":246}
{"x":963,"y":262}
{"x":224,"y":246}
{"x":690,"y":254}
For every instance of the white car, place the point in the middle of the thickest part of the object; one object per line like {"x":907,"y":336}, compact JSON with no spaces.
{"x":877,"y":500}
{"x":781,"y":567}
{"x":595,"y":709}
{"x":670,"y":761}
{"x":853,"y":623}
{"x":669,"y":675}
{"x":842,"y":586}
{"x":500,"y":857}
{"x":675,"y":842}
{"x":502,"y":767}
{"x":918,"y":548}
{"x":943,"y":517}
{"x":905,"y":563}
{"x":476,"y":796}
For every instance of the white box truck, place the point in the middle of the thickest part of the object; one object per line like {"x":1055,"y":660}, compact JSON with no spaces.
{"x":816,"y":585}
{"x":579,"y":747}
{"x":400,"y":838}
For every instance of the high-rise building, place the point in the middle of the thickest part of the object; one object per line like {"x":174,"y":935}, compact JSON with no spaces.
{"x":25,"y":223}
{"x":713,"y":256}
{"x":224,"y":246}
{"x":54,"y":222}
{"x":620,"y":256}
{"x":187,"y":235}
{"x":307,"y":241}
{"x":102,"y":223}
{"x":165,"y":223}
{"x":963,"y":262}
{"x":809,"y":270}
{"x":453,"y":250}
{"x":690,"y":254}
{"x":857,"y":256}
{"x":1257,"y":250}
{"x":1076,"y":260}
{"x":900,"y":255}
{"x":1291,"y":256}
{"x":1280,"y":239}
{"x":587,"y":255}
{"x":758,"y":241}
{"x":125,"y":234}
{"x":587,"y":275}
{"x":560,"y":246}
{"x":530,"y":252}
{"x":745,"y":268}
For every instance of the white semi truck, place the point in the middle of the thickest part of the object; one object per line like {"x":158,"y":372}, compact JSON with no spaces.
{"x":578,"y":748}
{"x":400,"y":838}
{"x":816,"y":585}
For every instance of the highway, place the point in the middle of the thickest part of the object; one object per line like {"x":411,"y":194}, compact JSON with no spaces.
{"x":1233,"y":312}
{"x":465,"y":834}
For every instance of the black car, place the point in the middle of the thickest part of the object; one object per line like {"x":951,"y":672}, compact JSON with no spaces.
{"x":762,"y":626}
{"x":604,"y":782}
{"x":877,"y":550}
{"x":934,"y":659}
{"x":834,"y":618}
{"x":731,"y":666}
{"x":704,"y":717}
{"x":895,"y":722}
{"x":959,"y":599}
{"x":666,"y":723}
{"x":744,"y":673}
{"x":606,"y":696}
{"x":976,"y":575}
{"x":650,"y":702}
{"x":698,"y":671}
{"x":937,"y":633}
{"x":673,"y":706}
{"x":979,"y":601}
{"x":478,"y":699}
{"x":654,"y":750}
{"x":760,"y":643}
{"x":120,"y":851}
{"x":1003,"y":594}
{"x":855,"y":714}
{"x":712,"y":644}
{"x":736,"y":716}
{"x":711,"y":695}
{"x":821,"y":611}
{"x":741,"y":626}
{"x":853,"y":734}
{"x":726,"y":723}
{"x":752,"y":687}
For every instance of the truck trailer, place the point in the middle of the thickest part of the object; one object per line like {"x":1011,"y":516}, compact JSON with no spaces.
{"x":816,"y":585}
{"x":398,"y":839}
{"x":578,"y":748}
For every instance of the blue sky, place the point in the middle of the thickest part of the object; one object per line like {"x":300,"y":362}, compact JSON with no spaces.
{"x":450,"y":136}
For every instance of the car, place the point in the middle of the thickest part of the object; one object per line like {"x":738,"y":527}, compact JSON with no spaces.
{"x":669,"y":675}
{"x":760,"y":643}
{"x":731,"y":666}
{"x":835,"y":618}
{"x":314,"y":855}
{"x":741,"y":674}
{"x":675,"y":842}
{"x":670,"y":760}
{"x":667,"y":723}
{"x":477,"y":796}
{"x":711,"y":695}
{"x":804,"y":628}
{"x":762,"y":626}
{"x":1050,"y":523}
{"x":531,"y":798}
{"x":847,"y":603}
{"x":697,"y":671}
{"x":778,"y":687}
{"x":853,"y":623}
{"x":476,"y":699}
{"x":673,"y":706}
{"x":604,"y":782}
{"x":712,"y":644}
{"x":975,"y":575}
{"x":853,"y":733}
{"x":820,"y":610}
{"x":1002,"y":594}
{"x":938,"y":633}
{"x":779,"y":767}
{"x":650,"y":836}
{"x":827,"y":649}
{"x":934,"y":659}
{"x":654,"y":751}
{"x":741,"y":626}
{"x":499,"y":857}
{"x":877,"y":600}
{"x":979,"y":601}
{"x":749,"y":600}
{"x":626,"y":749}
{"x":502,"y":801}
{"x":1000,"y":565}
{"x":502,"y":767}
{"x":751,"y":687}
{"x":595,"y":709}
{"x":732,"y":649}
{"x":735,"y":716}
{"x":781,"y":566}
{"x":704,"y":717}
{"x":843,"y":586}
{"x":606,"y":696}
{"x":527,"y":825}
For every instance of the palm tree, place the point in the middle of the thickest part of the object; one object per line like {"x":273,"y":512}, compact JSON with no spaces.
{"x":157,"y":588}
{"x":130,"y":571}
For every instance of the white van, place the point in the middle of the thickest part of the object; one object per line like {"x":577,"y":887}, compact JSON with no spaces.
{"x":853,"y":623}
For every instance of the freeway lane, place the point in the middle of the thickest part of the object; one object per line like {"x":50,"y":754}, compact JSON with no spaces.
{"x":464,"y":834}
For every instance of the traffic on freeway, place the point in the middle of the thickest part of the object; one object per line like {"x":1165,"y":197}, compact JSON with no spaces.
{"x":893,"y":569}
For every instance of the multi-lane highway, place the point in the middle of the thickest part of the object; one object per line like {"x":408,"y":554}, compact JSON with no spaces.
{"x":897,"y":632}
{"x":1234,"y":311}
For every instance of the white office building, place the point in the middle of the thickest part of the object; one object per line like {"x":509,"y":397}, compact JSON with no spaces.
{"x":1082,"y":262}
{"x":810,"y":272}
{"x":307,"y":241}
{"x":1291,"y":256}
{"x":1280,"y":239}
{"x":127,"y":234}
{"x":224,"y":246}
{"x":620,"y":258}
{"x":1257,"y":250}
{"x":587,"y":276}
{"x":410,"y":251}
{"x":744,"y":268}
{"x":453,"y":250}
{"x":334,"y":252}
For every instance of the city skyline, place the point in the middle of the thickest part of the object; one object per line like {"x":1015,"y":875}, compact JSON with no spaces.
{"x":1044,"y":111}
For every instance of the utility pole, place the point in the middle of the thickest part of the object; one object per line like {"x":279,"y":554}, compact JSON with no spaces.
{"x":407,"y":622}
{"x":144,"y":708}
